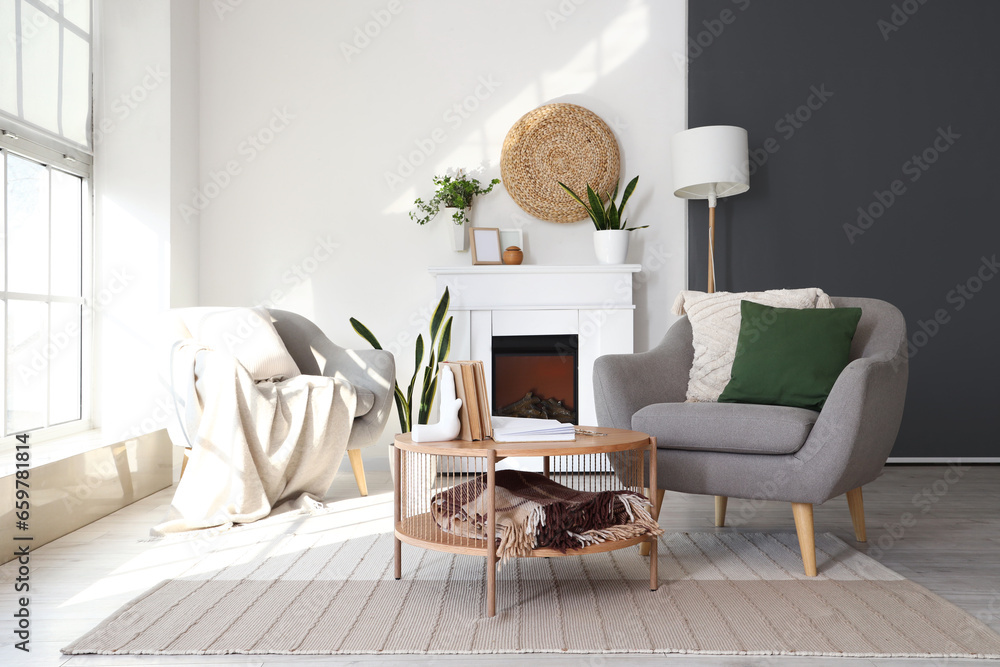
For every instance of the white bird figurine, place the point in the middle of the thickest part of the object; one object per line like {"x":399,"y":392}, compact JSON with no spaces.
{"x":448,"y":425}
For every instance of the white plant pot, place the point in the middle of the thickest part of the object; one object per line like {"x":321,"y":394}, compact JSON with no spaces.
{"x":459,"y":233}
{"x":611,"y":246}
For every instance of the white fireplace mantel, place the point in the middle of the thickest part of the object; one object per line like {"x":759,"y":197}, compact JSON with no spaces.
{"x":593,"y":302}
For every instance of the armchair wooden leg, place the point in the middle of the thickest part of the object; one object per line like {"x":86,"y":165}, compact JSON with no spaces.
{"x":807,"y":541}
{"x":657,"y":499}
{"x":720,"y":510}
{"x":857,"y":506}
{"x":358,"y":466}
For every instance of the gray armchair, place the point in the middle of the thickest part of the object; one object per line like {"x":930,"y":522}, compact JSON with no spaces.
{"x":762,"y":451}
{"x":371,"y":372}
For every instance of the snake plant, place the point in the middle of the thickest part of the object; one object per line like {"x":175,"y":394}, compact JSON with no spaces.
{"x":438,"y":347}
{"x":610,"y":216}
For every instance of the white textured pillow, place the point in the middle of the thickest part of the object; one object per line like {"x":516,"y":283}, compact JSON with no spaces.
{"x":249,"y":335}
{"x":715,"y":327}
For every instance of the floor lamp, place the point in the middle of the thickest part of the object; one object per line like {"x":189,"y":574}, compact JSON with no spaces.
{"x":708,"y":163}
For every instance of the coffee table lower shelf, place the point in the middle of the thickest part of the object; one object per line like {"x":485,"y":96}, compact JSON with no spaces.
{"x":423,"y":469}
{"x":436,"y":539}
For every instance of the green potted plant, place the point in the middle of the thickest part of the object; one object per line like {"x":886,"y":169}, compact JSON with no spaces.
{"x":438,"y":348}
{"x":611,"y":235}
{"x":454,"y":194}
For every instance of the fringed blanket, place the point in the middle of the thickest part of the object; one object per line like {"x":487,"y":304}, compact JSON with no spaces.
{"x":533,"y":511}
{"x":257,"y":448}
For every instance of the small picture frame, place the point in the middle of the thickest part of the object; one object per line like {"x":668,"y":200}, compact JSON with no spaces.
{"x":485,"y":242}
{"x":509,"y":237}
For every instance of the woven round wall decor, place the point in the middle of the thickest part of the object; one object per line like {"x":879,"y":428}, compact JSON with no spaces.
{"x":558,"y":142}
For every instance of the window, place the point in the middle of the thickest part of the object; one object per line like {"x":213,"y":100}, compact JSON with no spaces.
{"x":45,"y":205}
{"x":43,"y":294}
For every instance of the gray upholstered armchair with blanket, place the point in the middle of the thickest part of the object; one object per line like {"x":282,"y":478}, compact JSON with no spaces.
{"x":266,"y":406}
{"x":766,"y":452}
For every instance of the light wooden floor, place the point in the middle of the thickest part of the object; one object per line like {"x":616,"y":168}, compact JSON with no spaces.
{"x":953,"y":549}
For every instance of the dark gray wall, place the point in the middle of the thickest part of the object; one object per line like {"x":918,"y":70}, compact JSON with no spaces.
{"x":897,"y":80}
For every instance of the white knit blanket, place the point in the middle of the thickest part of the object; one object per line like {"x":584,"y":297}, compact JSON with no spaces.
{"x":715,"y":327}
{"x":257,"y":448}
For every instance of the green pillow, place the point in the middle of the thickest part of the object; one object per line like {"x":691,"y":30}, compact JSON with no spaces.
{"x":787,"y":356}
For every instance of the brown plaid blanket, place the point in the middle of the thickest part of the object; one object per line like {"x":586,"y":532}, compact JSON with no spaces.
{"x":533,"y":511}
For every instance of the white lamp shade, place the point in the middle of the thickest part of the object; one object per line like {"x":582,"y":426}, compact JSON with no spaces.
{"x":709,"y":161}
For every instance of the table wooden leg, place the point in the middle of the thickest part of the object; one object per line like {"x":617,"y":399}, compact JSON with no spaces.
{"x":397,"y":511}
{"x":491,"y":531}
{"x":654,"y":580}
{"x":545,"y":467}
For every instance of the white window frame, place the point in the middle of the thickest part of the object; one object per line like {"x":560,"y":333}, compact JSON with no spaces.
{"x":21,"y":137}
{"x":22,"y":147}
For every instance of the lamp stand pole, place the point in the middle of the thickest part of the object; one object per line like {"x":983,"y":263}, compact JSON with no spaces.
{"x":711,"y":249}
{"x":712,"y":200}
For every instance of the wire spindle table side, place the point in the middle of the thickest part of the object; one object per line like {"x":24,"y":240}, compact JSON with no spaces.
{"x":615,"y":460}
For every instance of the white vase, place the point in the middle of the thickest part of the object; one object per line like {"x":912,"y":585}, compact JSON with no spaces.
{"x":459,"y":233}
{"x":611,"y":246}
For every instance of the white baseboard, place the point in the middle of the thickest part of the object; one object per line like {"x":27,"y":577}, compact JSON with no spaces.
{"x":943,"y":459}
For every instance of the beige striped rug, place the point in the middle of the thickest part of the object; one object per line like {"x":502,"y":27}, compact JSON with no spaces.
{"x":720,"y":593}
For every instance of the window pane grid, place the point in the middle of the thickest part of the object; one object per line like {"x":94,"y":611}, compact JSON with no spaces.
{"x":43,"y":352}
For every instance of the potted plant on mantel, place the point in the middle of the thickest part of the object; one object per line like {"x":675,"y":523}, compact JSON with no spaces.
{"x":455,"y":195}
{"x":611,"y":237}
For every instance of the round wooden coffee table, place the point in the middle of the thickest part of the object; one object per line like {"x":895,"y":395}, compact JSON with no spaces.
{"x":600,"y":459}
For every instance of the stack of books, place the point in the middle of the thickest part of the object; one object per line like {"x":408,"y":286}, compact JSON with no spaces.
{"x":470,"y":386}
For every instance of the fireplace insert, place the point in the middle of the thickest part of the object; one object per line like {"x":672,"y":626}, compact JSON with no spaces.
{"x":536,"y":376}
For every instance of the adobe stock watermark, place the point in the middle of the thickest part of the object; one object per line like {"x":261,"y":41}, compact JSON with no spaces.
{"x":163,"y":411}
{"x":59,"y":341}
{"x":823,"y":432}
{"x":364,"y":34}
{"x":33,"y":26}
{"x":248,"y":150}
{"x":122,"y":106}
{"x":957,"y":298}
{"x":922,"y":502}
{"x":454,"y":116}
{"x":592,"y":320}
{"x":915,"y":167}
{"x":69,"y":335}
{"x":704,"y":39}
{"x":224,"y":7}
{"x":164,"y":408}
{"x":97,"y":475}
{"x":301,"y":270}
{"x":787,"y":126}
{"x":562,"y":12}
{"x":898,"y":17}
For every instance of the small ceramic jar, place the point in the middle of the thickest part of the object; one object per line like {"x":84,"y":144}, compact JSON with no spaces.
{"x":513,"y":255}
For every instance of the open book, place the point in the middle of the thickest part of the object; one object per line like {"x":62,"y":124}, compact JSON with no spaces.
{"x":517,"y":429}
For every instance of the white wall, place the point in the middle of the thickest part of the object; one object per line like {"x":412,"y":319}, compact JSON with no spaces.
{"x":145,"y":117}
{"x":184,"y":135}
{"x":329,"y":125}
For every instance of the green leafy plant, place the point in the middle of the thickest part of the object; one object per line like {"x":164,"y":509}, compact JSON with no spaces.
{"x":609,"y":216}
{"x":456,"y":192}
{"x":438,"y":347}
